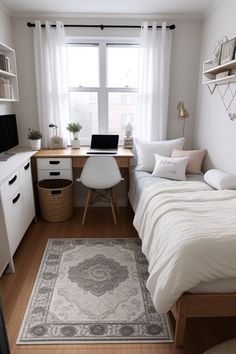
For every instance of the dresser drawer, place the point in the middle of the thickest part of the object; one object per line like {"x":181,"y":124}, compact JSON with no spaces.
{"x":14,"y":220}
{"x":54,"y":163}
{"x":10,"y":186}
{"x":54,"y":174}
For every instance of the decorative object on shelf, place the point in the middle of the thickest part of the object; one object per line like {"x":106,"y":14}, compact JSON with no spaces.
{"x":222,"y":74}
{"x":74,"y":128}
{"x":182,"y":113}
{"x":128,"y":139}
{"x":35,"y":138}
{"x":216,"y":53}
{"x":227,"y":52}
{"x":56,"y":142}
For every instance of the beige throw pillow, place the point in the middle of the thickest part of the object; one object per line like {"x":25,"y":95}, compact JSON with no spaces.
{"x":195,"y":159}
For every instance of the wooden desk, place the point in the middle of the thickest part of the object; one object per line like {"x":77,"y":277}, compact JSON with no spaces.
{"x":79,"y":156}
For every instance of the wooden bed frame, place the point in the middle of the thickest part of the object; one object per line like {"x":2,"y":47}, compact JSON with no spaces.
{"x":201,"y":305}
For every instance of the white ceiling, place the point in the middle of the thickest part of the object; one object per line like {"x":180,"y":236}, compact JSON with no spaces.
{"x":145,"y":7}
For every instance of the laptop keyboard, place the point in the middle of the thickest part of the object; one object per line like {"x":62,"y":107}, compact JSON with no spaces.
{"x":100,"y":153}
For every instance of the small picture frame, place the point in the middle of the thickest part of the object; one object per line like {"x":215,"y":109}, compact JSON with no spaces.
{"x":216,"y":56}
{"x":227,"y":52}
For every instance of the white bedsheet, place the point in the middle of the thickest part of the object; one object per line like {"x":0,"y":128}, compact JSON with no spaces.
{"x":188,"y":234}
{"x":140,"y":180}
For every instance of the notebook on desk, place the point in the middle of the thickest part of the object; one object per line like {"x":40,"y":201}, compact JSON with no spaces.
{"x":102,"y":144}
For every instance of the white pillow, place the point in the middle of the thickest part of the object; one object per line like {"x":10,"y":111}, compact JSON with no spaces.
{"x":170,"y":167}
{"x":147,"y":149}
{"x":220,"y":180}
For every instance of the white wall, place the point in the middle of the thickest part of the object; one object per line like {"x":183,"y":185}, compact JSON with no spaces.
{"x":213,"y":128}
{"x":6,"y":38}
{"x":184,"y":67}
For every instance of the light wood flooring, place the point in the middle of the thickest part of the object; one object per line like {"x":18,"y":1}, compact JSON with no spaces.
{"x":201,"y":334}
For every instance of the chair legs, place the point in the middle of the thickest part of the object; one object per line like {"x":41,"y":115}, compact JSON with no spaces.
{"x":112,"y":205}
{"x":90,"y":199}
{"x":115,"y":201}
{"x":86,"y":206}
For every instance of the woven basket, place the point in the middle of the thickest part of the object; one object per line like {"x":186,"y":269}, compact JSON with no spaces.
{"x":56,"y":199}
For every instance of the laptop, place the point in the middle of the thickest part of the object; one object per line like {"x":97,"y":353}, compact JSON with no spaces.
{"x":103,"y":144}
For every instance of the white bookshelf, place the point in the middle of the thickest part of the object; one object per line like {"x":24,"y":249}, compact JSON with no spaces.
{"x":8,"y":92}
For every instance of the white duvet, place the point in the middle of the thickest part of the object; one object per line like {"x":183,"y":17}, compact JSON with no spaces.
{"x":188,"y":235}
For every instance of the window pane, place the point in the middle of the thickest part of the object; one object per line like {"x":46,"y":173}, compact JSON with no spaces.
{"x":83,"y":66}
{"x":122,"y":66}
{"x":122,"y":110}
{"x":84,"y":109}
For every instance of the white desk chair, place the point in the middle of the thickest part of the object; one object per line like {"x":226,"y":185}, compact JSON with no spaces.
{"x":100,"y":173}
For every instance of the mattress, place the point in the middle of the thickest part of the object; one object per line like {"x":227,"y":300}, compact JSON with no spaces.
{"x":138,"y":182}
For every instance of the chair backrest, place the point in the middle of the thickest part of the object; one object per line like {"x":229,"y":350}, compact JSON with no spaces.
{"x":100,"y":172}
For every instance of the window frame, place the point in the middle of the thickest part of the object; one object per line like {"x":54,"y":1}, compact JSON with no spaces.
{"x":102,"y":90}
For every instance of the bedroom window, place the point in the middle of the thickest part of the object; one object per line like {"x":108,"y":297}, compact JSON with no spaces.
{"x":103,"y":79}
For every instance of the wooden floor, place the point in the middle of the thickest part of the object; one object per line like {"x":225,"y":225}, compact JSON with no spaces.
{"x":201,"y":334}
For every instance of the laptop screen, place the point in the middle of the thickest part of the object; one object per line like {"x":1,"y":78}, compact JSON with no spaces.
{"x":104,"y":142}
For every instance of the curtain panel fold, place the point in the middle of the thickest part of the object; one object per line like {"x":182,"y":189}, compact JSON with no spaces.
{"x":51,"y":79}
{"x":153,"y":87}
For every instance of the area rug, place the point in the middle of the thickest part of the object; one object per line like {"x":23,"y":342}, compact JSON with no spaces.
{"x":92,"y":291}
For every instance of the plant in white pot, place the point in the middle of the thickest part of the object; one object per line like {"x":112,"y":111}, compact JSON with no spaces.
{"x":35,"y":138}
{"x":74,"y":128}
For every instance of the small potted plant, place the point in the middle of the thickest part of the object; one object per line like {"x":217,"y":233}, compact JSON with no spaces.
{"x":35,"y":138}
{"x":74,"y":128}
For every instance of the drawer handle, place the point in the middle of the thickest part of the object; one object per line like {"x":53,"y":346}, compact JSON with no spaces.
{"x":16,"y":198}
{"x":55,"y":173}
{"x":12,"y":180}
{"x":56,"y":192}
{"x":27,"y":166}
{"x":54,"y":162}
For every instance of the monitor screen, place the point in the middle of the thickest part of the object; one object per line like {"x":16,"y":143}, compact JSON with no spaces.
{"x":8,"y":132}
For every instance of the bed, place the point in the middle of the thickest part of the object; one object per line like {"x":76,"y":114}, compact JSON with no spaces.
{"x":192,"y":267}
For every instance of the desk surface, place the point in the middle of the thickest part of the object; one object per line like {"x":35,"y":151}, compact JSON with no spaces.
{"x":82,"y":152}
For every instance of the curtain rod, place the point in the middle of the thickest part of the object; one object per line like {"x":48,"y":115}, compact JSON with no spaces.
{"x":171,"y":27}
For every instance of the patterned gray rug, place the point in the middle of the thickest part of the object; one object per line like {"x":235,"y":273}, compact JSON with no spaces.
{"x":90,"y":291}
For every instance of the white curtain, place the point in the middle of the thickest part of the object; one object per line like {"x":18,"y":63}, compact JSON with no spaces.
{"x":51,"y":79}
{"x":153,"y":90}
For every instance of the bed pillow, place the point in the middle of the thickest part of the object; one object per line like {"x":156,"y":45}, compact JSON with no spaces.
{"x":146,"y":150}
{"x":219,"y":179}
{"x":195,"y":159}
{"x":170,"y":167}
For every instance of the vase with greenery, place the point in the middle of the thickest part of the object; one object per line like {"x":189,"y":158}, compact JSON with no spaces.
{"x":74,"y":128}
{"x":35,"y":138}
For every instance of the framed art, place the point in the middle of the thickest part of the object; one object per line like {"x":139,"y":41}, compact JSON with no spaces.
{"x":227,"y":52}
{"x":216,"y":55}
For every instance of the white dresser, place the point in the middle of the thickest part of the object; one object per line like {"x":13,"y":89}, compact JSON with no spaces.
{"x":17,"y":208}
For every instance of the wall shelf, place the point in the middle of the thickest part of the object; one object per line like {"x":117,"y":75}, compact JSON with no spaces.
{"x":223,"y":80}
{"x":209,"y":78}
{"x":8,"y":75}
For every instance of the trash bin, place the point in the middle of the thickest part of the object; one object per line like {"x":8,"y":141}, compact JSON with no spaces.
{"x":55,"y":199}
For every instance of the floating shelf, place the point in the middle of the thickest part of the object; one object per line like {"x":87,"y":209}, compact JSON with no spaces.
{"x":223,"y":80}
{"x":217,"y":69}
{"x":209,"y":73}
{"x":6,"y":74}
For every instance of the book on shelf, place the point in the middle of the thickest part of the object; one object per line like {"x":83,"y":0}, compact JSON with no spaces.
{"x":6,"y":89}
{"x":5,"y":64}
